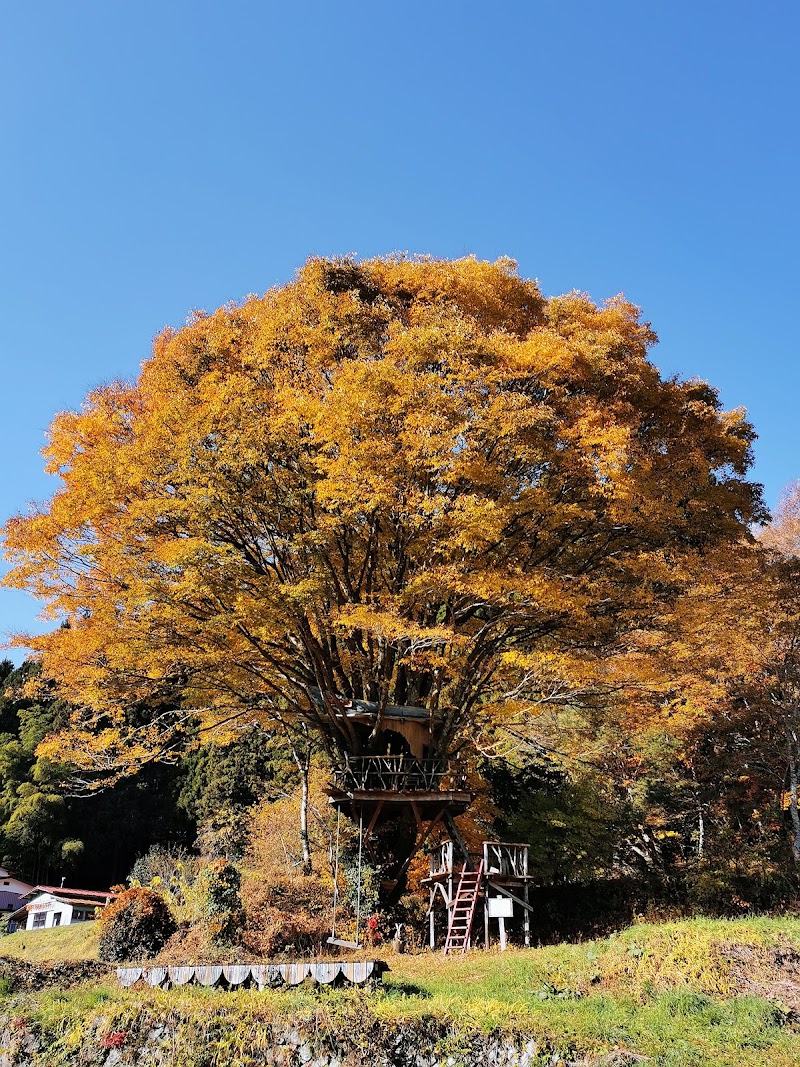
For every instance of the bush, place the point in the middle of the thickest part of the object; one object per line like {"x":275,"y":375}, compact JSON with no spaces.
{"x":747,"y":882}
{"x":174,"y":873}
{"x":289,"y":914}
{"x":135,"y":926}
{"x":222,"y":904}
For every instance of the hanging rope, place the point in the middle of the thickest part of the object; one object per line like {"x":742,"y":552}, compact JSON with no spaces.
{"x":333,"y":939}
{"x":336,"y":875}
{"x":358,"y":892}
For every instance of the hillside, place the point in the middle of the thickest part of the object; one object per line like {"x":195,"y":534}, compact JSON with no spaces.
{"x":680,"y":994}
{"x":76,"y":942}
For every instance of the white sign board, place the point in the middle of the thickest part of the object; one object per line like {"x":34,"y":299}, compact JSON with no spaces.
{"x":501,"y":908}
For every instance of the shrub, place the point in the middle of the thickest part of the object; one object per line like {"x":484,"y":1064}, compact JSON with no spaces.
{"x":287,"y":910}
{"x":224,"y":834}
{"x":135,"y":926}
{"x":222,"y":904}
{"x":732,"y":886}
{"x":289,"y":913}
{"x":174,"y":873}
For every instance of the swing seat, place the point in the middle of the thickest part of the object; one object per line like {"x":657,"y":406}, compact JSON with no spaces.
{"x":342,"y":943}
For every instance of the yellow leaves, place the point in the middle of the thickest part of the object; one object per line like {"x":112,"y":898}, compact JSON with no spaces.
{"x":783,"y":534}
{"x":392,"y":628}
{"x":413,"y":477}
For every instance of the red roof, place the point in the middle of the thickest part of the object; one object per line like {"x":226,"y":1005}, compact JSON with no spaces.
{"x":66,"y":891}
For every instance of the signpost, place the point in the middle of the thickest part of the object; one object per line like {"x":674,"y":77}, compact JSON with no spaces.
{"x":501,"y":908}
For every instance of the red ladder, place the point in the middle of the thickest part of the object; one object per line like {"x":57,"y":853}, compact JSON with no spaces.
{"x":463,"y":910}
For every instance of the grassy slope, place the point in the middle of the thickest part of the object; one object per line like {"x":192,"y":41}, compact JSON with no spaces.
{"x":76,"y":942}
{"x":682,"y":994}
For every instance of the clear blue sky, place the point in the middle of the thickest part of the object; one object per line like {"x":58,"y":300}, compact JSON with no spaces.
{"x":158,"y":157}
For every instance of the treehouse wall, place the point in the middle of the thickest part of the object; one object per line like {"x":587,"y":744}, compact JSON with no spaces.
{"x":411,"y":724}
{"x":416,"y":734}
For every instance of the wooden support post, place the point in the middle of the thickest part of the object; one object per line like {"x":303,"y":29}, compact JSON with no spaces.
{"x":418,"y":844}
{"x":502,"y":924}
{"x":449,"y":822}
{"x":431,"y":919}
{"x":486,"y":916}
{"x":527,"y":911}
{"x":526,"y":917}
{"x":373,"y":820}
{"x":507,"y":893}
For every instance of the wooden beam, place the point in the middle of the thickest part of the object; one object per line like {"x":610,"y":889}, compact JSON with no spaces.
{"x":449,"y":822}
{"x":527,"y":915}
{"x":374,"y":819}
{"x":507,"y":893}
{"x":418,"y":844}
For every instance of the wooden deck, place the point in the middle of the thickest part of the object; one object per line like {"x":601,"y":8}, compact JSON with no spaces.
{"x":424,"y":804}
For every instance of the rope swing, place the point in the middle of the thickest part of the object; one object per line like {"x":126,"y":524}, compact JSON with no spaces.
{"x":358,"y":891}
{"x":333,"y":939}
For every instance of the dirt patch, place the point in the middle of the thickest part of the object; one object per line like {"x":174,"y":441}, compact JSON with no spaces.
{"x":22,"y":975}
{"x":772,"y":973}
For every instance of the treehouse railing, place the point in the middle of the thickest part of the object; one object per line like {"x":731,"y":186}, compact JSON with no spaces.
{"x":447,"y":859}
{"x":398,"y":774}
{"x":442,"y":859}
{"x":504,"y":859}
{"x":501,"y":859}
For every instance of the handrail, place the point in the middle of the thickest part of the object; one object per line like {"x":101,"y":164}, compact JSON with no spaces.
{"x":504,"y":859}
{"x":399,"y":774}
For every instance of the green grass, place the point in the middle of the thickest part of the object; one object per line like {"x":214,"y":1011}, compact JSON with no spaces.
{"x":75,"y":942}
{"x":683,"y":994}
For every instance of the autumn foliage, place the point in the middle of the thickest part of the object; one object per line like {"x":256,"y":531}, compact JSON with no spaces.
{"x":410,"y":481}
{"x":135,"y":926}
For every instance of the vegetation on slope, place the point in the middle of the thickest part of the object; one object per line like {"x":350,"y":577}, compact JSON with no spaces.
{"x":680,"y":994}
{"x":60,"y":944}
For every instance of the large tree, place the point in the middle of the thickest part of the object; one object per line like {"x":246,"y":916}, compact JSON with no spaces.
{"x":408,"y":481}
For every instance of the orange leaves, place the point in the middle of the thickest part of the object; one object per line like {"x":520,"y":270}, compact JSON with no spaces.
{"x":399,"y":478}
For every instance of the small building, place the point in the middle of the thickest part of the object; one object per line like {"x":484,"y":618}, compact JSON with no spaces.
{"x":12,"y":890}
{"x":46,"y":906}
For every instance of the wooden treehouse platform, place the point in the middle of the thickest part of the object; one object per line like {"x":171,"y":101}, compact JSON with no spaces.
{"x":367,"y":789}
{"x":367,"y":784}
{"x":498,"y":879}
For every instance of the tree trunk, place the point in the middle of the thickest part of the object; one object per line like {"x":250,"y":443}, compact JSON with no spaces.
{"x":301,"y":754}
{"x":791,"y":755}
{"x":304,"y":765}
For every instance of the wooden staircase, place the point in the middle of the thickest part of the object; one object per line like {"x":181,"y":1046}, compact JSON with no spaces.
{"x":463,"y":910}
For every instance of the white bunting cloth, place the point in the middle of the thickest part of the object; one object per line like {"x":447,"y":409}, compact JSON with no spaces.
{"x":357,"y":972}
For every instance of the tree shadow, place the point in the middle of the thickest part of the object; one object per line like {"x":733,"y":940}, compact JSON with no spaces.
{"x":406,"y":989}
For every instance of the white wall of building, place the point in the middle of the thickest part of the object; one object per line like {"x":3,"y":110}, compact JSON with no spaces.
{"x":45,"y":911}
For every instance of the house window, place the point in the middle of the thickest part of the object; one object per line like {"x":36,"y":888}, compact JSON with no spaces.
{"x":57,"y":919}
{"x":39,"y":919}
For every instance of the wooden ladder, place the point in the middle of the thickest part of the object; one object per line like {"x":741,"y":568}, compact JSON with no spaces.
{"x":463,"y":910}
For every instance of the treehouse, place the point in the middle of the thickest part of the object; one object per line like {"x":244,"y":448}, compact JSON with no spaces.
{"x":395,"y":781}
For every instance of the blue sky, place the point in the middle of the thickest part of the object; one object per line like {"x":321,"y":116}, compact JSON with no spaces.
{"x":159,"y":157}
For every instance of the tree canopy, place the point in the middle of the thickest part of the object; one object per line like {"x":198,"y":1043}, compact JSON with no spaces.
{"x":405,"y":481}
